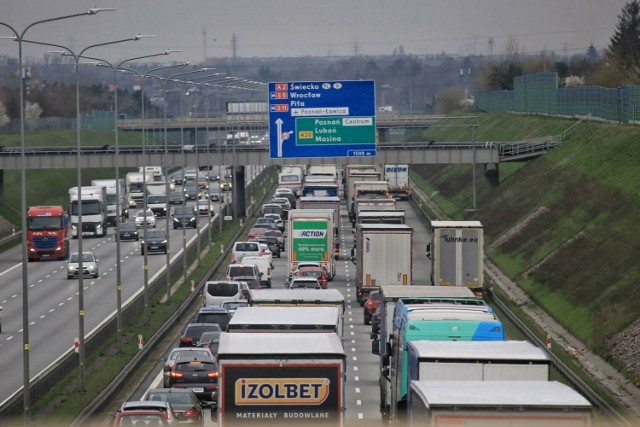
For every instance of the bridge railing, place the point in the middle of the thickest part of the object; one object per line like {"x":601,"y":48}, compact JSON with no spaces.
{"x":528,"y":148}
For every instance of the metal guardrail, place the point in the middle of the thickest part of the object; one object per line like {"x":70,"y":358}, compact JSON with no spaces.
{"x":528,"y":148}
{"x":101,"y":400}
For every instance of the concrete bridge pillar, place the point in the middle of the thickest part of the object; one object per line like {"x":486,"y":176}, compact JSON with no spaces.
{"x":239,"y":205}
{"x":383,"y":135}
{"x":491,"y":175}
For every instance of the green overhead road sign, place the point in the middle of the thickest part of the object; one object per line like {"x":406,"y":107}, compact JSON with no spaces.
{"x":335,"y":130}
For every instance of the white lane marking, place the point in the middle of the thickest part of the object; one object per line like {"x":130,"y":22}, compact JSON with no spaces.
{"x":15,"y":295}
{"x":351,"y":326}
{"x":353,"y":349}
{"x":354,"y":358}
{"x":360,"y":415}
{"x":61,"y":304}
{"x":357,"y":389}
{"x":9,"y":338}
{"x":353,"y":341}
{"x":32,"y":323}
{"x":356,"y":378}
{"x":9,"y":269}
{"x":355,"y":368}
{"x":43,"y":316}
{"x":358,"y":402}
{"x":52,"y":310}
{"x":70,"y":298}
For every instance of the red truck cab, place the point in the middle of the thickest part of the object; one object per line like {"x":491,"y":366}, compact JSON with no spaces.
{"x":47,"y":233}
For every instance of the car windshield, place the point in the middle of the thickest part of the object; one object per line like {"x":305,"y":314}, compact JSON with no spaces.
{"x":45,"y":223}
{"x":156,"y":199}
{"x":174,"y":398}
{"x":247,"y":247}
{"x":127,"y":226}
{"x":197,"y":330}
{"x":311,"y":273}
{"x":176,"y":354}
{"x":85,"y":257}
{"x":242,"y":270}
{"x":196,"y":366}
{"x":155,"y":234}
{"x":142,"y":213}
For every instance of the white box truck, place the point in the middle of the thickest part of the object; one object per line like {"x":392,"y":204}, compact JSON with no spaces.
{"x":382,"y":255}
{"x":114,"y":186}
{"x":358,"y":175}
{"x":94,"y":210}
{"x":281,"y":378}
{"x":292,"y":177}
{"x":317,"y":202}
{"x":311,"y":238}
{"x":398,"y":178}
{"x":134,"y":182}
{"x":497,"y":404}
{"x":456,"y":253}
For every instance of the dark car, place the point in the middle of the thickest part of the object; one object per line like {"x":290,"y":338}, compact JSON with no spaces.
{"x":251,"y":281}
{"x":184,"y":402}
{"x":176,"y":198}
{"x":155,"y":240}
{"x":191,"y":190}
{"x":184,"y":353}
{"x":272,"y":243}
{"x":370,"y":306}
{"x":215,"y":195}
{"x":278,"y":235}
{"x":184,"y":217}
{"x":289,"y":196}
{"x":217,"y":315}
{"x":201,"y":376}
{"x":191,"y":334}
{"x":128,"y":231}
{"x":274,"y":208}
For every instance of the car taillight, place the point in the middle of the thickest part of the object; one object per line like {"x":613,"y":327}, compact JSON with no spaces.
{"x":213,"y":374}
{"x":176,"y":375}
{"x":170,"y":366}
{"x":186,"y":339}
{"x":191,"y":412}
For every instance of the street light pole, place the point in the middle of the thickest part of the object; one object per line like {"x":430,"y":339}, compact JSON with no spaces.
{"x":19,"y":37}
{"x":81,"y":313}
{"x":115,"y":69}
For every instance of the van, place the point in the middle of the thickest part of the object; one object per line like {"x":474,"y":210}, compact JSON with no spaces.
{"x":220,"y":291}
{"x":243,"y":249}
{"x":263,"y":266}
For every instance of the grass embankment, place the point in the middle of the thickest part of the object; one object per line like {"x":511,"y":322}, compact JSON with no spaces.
{"x":578,"y":256}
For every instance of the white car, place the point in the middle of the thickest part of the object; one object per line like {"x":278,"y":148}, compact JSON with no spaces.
{"x":205,"y":206}
{"x":303,"y":283}
{"x":266,"y":253}
{"x":141,"y":216}
{"x":89,"y":265}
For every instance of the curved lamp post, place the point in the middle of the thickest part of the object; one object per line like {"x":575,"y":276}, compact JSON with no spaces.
{"x":19,"y":37}
{"x":115,"y":69}
{"x":81,"y":313}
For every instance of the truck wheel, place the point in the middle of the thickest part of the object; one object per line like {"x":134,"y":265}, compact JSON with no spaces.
{"x":367,"y":319}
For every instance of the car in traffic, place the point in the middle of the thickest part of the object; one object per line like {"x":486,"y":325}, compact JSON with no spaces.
{"x":158,"y":204}
{"x":140,"y":417}
{"x":216,"y":315}
{"x":273,"y":208}
{"x":303,"y":283}
{"x":217,"y":292}
{"x":182,"y":352}
{"x":191,"y":334}
{"x":160,"y":406}
{"x":251,"y":282}
{"x":200,"y":376}
{"x":244,"y":248}
{"x":204,"y":206}
{"x":272,"y":245}
{"x":242,"y":270}
{"x":143,"y":217}
{"x":127,"y":231}
{"x":176,"y":198}
{"x":154,"y":240}
{"x":89,"y":265}
{"x":185,"y":403}
{"x":282,"y":201}
{"x":255,"y":233}
{"x":210,"y":341}
{"x":215,"y":195}
{"x":279,"y":235}
{"x":268,"y":220}
{"x":264,"y":268}
{"x":289,"y":195}
{"x":266,"y":253}
{"x":225,"y":186}
{"x":277,"y":219}
{"x":184,"y":217}
{"x":370,"y":305}
{"x":231,"y":306}
{"x":315,"y":272}
{"x":191,"y":190}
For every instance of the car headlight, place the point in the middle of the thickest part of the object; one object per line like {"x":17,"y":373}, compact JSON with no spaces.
{"x":164,"y":242}
{"x":71,"y":268}
{"x":74,"y":227}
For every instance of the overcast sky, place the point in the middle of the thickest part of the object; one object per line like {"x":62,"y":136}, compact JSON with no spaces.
{"x":322,"y":27}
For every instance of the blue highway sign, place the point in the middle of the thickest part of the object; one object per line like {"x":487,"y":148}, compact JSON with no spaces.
{"x":322,"y":119}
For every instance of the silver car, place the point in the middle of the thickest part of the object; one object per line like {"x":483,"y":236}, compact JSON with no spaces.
{"x":89,"y":265}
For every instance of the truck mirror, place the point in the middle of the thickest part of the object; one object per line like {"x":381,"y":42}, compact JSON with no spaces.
{"x":375,"y":347}
{"x":375,"y":328}
{"x":428,"y":253}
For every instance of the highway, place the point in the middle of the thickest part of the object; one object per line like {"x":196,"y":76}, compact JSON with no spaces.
{"x":362,"y":392}
{"x":53,"y":299}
